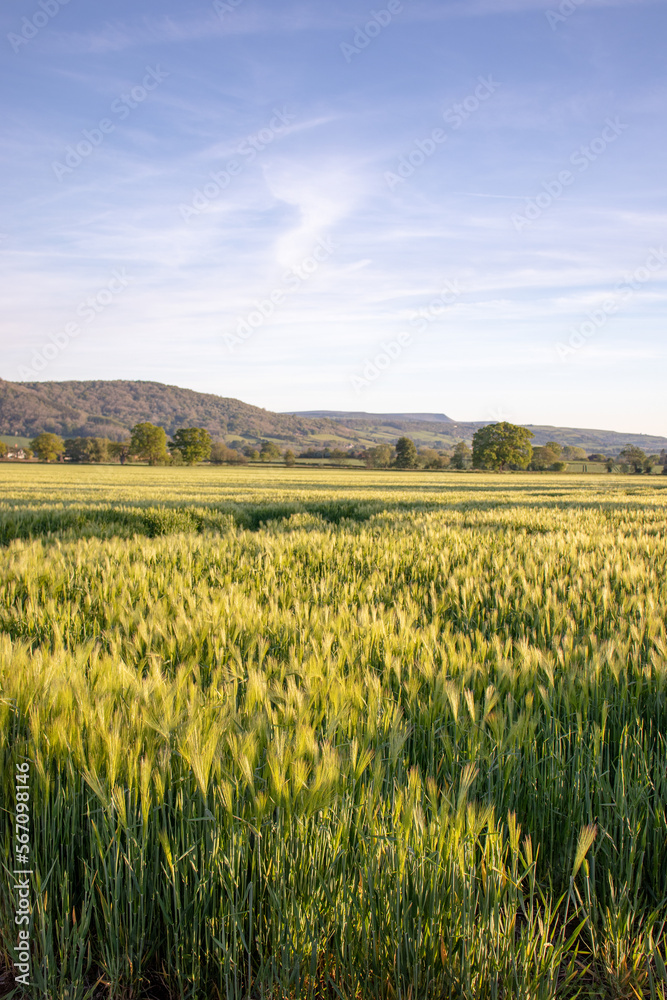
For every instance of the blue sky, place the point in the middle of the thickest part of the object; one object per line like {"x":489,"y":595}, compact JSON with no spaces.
{"x":454,"y":206}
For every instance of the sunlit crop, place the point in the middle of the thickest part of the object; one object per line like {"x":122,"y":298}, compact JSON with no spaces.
{"x":337,"y":734}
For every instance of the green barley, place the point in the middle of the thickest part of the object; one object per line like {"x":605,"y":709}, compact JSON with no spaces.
{"x":371,"y":736}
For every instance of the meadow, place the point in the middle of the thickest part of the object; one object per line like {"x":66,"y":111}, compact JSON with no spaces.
{"x":342,"y":734}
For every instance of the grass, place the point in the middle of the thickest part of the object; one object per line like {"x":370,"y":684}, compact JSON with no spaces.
{"x":15,"y":441}
{"x":358,"y":735}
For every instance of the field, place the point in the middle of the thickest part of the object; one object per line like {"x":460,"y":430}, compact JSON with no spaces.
{"x":318,"y":733}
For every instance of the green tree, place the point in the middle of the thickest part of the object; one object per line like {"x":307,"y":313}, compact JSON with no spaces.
{"x":498,"y":446}
{"x":290,"y":457}
{"x":194,"y":444}
{"x":555,"y":447}
{"x":98,"y":449}
{"x":221,"y":454}
{"x":3,"y":449}
{"x":74,"y":450}
{"x":149,"y":442}
{"x":634,"y":457}
{"x":270,"y":452}
{"x":379,"y":457}
{"x":544,"y":458}
{"x":407,"y":456}
{"x":462,"y":457}
{"x":119,"y":450}
{"x":430,"y":458}
{"x":86,"y":449}
{"x":48,"y":447}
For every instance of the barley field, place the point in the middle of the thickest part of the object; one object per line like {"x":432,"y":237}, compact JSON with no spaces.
{"x":318,"y":733}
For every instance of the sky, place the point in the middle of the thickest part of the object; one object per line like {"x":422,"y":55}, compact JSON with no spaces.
{"x":451,"y":206}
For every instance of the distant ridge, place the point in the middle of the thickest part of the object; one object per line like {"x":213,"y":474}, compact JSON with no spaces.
{"x":103,"y":408}
{"x":354,"y":415}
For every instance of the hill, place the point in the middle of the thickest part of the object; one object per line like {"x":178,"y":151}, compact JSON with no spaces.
{"x":436,"y":429}
{"x":110,"y":408}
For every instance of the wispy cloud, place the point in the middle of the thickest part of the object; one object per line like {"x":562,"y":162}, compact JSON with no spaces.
{"x":322,"y":175}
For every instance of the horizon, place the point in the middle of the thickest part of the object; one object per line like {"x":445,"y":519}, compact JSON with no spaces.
{"x":338,"y":207}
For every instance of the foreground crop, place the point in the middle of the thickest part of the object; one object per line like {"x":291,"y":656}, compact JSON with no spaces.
{"x":382,"y":746}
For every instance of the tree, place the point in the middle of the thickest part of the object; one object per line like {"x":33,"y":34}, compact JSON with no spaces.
{"x":379,"y":457}
{"x":222,"y":455}
{"x":498,"y":446}
{"x":98,"y":449}
{"x":48,"y":447}
{"x":119,"y":450}
{"x":85,"y":449}
{"x":544,"y":458}
{"x":555,"y":447}
{"x":149,"y":442}
{"x":429,"y":458}
{"x":3,"y":449}
{"x":74,"y":450}
{"x":634,"y":457}
{"x":574,"y":454}
{"x":290,"y":458}
{"x":194,"y":444}
{"x":270,"y":452}
{"x":597,"y":457}
{"x":462,"y":457}
{"x":406,"y":454}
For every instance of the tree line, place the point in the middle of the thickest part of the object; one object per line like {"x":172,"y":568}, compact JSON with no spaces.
{"x":149,"y":443}
{"x":505,"y":446}
{"x":496,"y":447}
